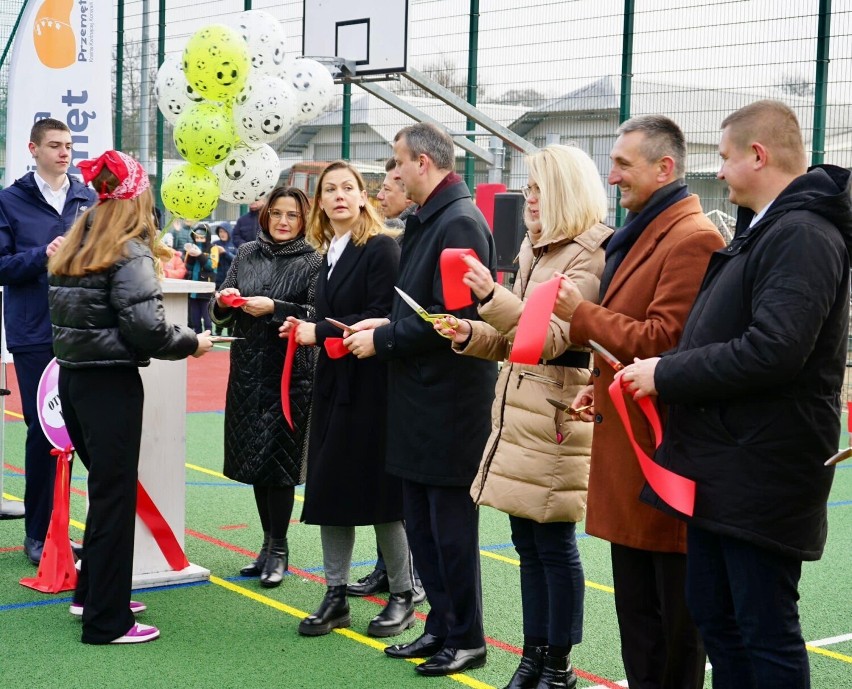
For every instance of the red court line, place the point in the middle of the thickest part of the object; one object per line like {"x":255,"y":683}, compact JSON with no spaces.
{"x":11,"y":549}
{"x":496,"y":643}
{"x":233,"y":527}
{"x":18,"y":470}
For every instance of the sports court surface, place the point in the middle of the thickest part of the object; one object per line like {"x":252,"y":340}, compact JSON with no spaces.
{"x":230,"y":633}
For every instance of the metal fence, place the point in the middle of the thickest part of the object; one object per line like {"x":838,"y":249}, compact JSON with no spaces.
{"x":550,"y":70}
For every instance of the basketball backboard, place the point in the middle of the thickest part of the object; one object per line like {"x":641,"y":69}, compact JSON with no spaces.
{"x":372,"y":34}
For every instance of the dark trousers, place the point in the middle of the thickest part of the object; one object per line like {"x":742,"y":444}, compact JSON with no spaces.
{"x":102,"y":408}
{"x":39,"y":465}
{"x":745,"y":602}
{"x":199,"y":314}
{"x":552,"y":582}
{"x":443,"y":533}
{"x":660,"y":645}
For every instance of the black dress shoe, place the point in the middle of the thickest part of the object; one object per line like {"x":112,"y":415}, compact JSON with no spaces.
{"x":423,"y":646}
{"x":397,"y":616}
{"x":332,"y":613}
{"x":33,"y":549}
{"x":529,"y":670}
{"x":418,"y":593}
{"x":449,"y":661}
{"x":277,"y":563}
{"x":375,"y":582}
{"x":256,"y":567}
{"x":557,"y":673}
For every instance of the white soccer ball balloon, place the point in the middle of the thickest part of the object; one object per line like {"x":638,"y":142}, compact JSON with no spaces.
{"x":173,"y":93}
{"x":264,"y":109}
{"x":264,"y":37}
{"x":248,"y":174}
{"x":314,"y":87}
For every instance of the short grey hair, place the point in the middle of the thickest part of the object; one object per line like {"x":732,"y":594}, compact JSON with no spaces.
{"x":426,"y":138}
{"x":662,"y":138}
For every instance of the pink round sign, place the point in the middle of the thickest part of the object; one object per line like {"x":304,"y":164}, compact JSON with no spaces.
{"x":50,"y":409}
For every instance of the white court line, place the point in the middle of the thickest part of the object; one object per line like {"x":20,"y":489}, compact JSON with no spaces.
{"x":831,"y":640}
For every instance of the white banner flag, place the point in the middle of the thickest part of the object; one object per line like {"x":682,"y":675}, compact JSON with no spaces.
{"x":61,"y":68}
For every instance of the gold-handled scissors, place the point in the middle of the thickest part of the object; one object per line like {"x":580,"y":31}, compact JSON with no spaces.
{"x":606,"y":355}
{"x":340,"y":324}
{"x":839,"y":457}
{"x":567,"y":408}
{"x":432,"y":318}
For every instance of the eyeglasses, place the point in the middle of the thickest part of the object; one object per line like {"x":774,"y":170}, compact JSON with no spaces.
{"x":292,"y":216}
{"x":531,"y":190}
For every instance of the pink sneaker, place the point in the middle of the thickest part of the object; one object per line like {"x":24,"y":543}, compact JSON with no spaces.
{"x":135,"y":607}
{"x":138,"y":634}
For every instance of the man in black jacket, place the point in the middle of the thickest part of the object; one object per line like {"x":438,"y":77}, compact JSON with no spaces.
{"x":754,"y":395}
{"x":438,"y":405}
{"x":247,"y":226}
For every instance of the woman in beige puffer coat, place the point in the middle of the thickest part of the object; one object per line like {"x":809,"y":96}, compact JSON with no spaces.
{"x":536,"y":461}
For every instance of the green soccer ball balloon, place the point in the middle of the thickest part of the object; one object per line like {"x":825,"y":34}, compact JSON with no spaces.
{"x":204,"y":134}
{"x":190,"y":192}
{"x":216,"y":62}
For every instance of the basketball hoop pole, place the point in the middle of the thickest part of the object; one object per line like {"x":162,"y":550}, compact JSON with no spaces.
{"x":8,"y":509}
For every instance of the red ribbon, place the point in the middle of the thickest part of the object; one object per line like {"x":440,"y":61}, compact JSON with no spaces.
{"x":160,"y":529}
{"x":532,"y":327}
{"x":335,"y":348}
{"x":233,"y":300}
{"x":676,"y":490}
{"x":456,"y":294}
{"x":287,"y":374}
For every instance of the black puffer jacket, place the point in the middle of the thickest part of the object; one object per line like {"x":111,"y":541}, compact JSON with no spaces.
{"x":754,"y":385}
{"x":260,"y":448}
{"x":115,"y":317}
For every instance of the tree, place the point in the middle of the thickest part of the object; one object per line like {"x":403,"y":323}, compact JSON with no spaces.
{"x":445,"y":72}
{"x":796,"y":84}
{"x":529,"y":97}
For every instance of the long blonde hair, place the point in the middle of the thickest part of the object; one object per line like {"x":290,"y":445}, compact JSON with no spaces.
{"x":99,"y":237}
{"x":369,"y":224}
{"x":572,"y":196}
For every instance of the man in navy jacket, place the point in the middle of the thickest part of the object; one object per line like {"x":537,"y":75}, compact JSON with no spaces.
{"x":35,"y":213}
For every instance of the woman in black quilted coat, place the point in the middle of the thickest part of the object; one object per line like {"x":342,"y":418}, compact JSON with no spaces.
{"x":276,"y":274}
{"x":106,"y":309}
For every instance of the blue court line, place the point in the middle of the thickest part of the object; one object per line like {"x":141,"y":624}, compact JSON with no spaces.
{"x":67,"y":599}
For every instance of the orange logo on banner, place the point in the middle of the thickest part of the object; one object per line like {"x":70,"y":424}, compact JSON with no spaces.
{"x":53,"y":37}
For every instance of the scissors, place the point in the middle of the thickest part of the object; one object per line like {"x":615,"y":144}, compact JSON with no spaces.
{"x":606,"y":355}
{"x":432,"y":318}
{"x":839,"y":457}
{"x":564,"y":407}
{"x":339,"y":324}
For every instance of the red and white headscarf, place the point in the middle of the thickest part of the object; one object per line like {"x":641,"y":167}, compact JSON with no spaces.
{"x":132,"y":176}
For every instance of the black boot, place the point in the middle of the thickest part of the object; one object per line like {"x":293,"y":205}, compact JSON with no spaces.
{"x":397,"y":616}
{"x":277,"y":562}
{"x":557,"y":673}
{"x":529,"y":671}
{"x":256,"y":567}
{"x":333,"y":612}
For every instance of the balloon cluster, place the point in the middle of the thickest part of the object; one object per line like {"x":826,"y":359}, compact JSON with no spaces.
{"x":228,"y":96}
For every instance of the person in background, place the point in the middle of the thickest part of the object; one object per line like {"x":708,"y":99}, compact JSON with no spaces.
{"x":432,"y":391}
{"x":225,"y":252}
{"x":173,"y":267}
{"x":35,"y":212}
{"x":395,"y":204}
{"x":536,"y":462}
{"x":654,"y":264}
{"x":276,"y":273}
{"x":106,"y":306}
{"x":180,"y":232}
{"x":247,"y":226}
{"x":347,"y":484}
{"x":201,"y":267}
{"x":754,"y":390}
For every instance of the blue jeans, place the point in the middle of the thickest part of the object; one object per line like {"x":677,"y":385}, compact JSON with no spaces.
{"x":744,"y":599}
{"x":552,"y":582}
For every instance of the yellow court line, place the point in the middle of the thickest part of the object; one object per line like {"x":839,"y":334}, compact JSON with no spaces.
{"x":348,"y":633}
{"x":6,"y":496}
{"x":830,"y":654}
{"x":210,"y":472}
{"x":517,"y":563}
{"x":14,"y":413}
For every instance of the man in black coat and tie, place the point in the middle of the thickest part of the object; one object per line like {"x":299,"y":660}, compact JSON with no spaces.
{"x":439,"y":405}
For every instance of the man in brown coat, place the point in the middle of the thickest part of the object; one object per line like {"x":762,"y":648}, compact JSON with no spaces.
{"x":654,"y":266}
